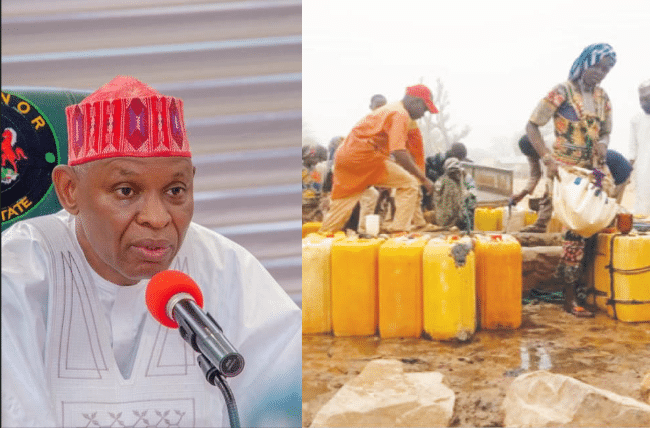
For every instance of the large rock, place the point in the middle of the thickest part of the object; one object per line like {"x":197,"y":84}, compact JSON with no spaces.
{"x":538,"y":266}
{"x":543,"y":399}
{"x":382,"y":395}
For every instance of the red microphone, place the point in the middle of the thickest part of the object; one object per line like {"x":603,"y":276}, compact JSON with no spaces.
{"x":165,"y":285}
{"x":176,"y":301}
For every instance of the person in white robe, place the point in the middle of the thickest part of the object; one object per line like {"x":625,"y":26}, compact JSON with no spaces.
{"x":640,"y":152}
{"x":79,"y":347}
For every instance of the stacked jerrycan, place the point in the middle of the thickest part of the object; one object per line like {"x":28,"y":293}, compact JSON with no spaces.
{"x":449,"y":293}
{"x":316,"y":284}
{"x":488,"y":219}
{"x":354,"y":286}
{"x":400,"y":287}
{"x":498,"y":281}
{"x":621,"y":276}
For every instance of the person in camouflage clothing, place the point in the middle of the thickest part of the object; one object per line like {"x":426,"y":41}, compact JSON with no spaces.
{"x":455,"y":197}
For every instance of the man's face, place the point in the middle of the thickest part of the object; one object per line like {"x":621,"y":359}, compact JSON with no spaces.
{"x":416,"y":107}
{"x":377,"y":102}
{"x":644,"y":99}
{"x":133,"y":215}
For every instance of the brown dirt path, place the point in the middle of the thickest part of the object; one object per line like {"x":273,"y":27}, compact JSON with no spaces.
{"x":602,"y":352}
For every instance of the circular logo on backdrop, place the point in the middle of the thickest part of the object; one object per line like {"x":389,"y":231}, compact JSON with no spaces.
{"x":29,"y":154}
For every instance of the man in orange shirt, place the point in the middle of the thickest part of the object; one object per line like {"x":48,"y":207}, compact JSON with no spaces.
{"x":370,"y":196}
{"x":363,"y":160}
{"x":415,"y":146}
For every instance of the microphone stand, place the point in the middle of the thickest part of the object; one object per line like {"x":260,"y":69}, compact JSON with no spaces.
{"x":215,"y":377}
{"x":191,"y":328}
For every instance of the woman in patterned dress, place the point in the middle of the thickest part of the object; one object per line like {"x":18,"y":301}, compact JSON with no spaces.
{"x":582,"y":115}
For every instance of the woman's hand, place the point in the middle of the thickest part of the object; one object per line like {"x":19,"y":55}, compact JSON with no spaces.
{"x":551,"y":165}
{"x":601,"y":153}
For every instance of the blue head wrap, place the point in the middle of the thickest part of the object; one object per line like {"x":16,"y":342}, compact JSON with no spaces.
{"x":590,"y":56}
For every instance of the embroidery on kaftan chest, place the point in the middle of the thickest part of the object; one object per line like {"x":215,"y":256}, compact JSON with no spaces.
{"x":83,"y":354}
{"x":84,"y":333}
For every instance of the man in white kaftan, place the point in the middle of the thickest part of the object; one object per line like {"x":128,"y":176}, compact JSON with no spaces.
{"x":640,"y":152}
{"x":79,"y":347}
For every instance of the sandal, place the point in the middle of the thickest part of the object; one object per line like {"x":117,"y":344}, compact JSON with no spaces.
{"x":580,"y":312}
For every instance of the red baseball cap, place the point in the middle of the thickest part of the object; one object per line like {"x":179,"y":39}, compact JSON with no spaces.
{"x":424,"y":94}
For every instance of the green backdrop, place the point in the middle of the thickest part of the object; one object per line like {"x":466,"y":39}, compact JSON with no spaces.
{"x":50,"y":103}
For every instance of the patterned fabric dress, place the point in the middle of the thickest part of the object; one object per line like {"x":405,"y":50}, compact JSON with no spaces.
{"x":576,"y":129}
{"x":448,"y":200}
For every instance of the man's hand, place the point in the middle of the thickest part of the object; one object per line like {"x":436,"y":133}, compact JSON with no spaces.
{"x":325,"y":202}
{"x":428,"y":185}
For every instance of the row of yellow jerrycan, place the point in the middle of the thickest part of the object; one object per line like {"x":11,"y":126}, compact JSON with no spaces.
{"x":509,"y":220}
{"x":620,"y":276}
{"x":404,"y":287}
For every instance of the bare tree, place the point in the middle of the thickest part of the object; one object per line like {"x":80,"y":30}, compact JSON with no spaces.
{"x":437,"y":131}
{"x":308,"y":137}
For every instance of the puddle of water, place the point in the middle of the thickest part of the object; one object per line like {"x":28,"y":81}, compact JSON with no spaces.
{"x":544,"y":359}
{"x":533,"y":357}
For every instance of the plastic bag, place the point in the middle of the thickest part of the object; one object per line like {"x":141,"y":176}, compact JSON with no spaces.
{"x":579,"y":204}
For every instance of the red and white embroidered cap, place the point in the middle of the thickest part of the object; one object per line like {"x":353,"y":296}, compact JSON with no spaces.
{"x":126,"y":118}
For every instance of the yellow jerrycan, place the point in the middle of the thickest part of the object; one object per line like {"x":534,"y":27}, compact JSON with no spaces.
{"x":530,"y":217}
{"x":310,"y":227}
{"x":488,"y":219}
{"x":554,"y":225}
{"x":400,"y":287}
{"x":621,"y":276}
{"x":514,"y":219}
{"x":317,"y":284}
{"x":449,"y":288}
{"x":354,"y":286}
{"x":498,"y":281}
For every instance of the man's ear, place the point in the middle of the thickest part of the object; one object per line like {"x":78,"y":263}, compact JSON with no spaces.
{"x":66,"y":184}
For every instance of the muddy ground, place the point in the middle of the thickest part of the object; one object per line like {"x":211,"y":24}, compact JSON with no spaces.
{"x":600,"y":351}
